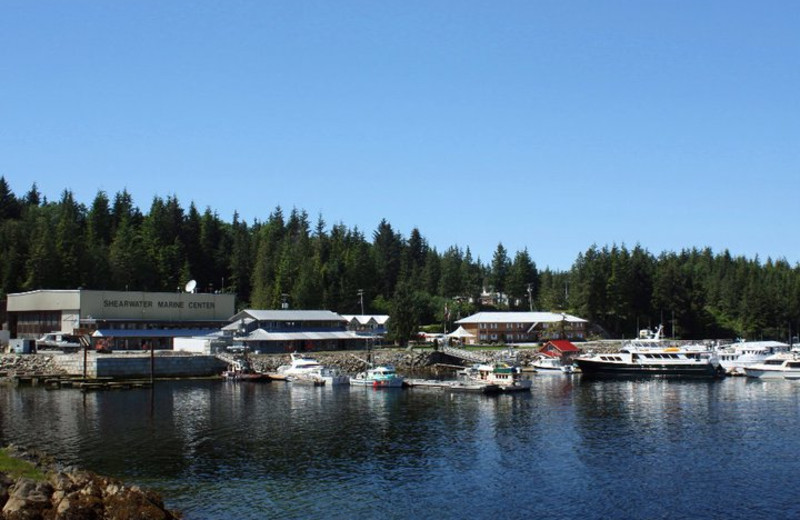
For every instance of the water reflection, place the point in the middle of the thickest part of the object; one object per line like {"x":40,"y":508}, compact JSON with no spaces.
{"x":571,"y":448}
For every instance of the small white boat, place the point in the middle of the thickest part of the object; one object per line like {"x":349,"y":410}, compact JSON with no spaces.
{"x":378,"y":377}
{"x":784,"y":365}
{"x":549,"y":365}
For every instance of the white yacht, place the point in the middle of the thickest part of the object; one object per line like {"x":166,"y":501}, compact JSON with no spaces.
{"x":303,"y":369}
{"x":653,"y":357}
{"x":735,"y":357}
{"x":783,"y":365}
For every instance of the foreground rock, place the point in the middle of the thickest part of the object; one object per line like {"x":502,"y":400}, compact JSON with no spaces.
{"x":72,"y":494}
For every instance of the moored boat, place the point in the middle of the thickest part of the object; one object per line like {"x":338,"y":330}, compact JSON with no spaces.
{"x":506,"y":377}
{"x":735,"y":357}
{"x":549,"y":365}
{"x":383,"y":376}
{"x":653,"y":357}
{"x":242,"y":370}
{"x":784,"y":365}
{"x":302,"y":369}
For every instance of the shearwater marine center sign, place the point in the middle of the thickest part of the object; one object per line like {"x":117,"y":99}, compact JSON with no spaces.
{"x":156,"y":305}
{"x":161,"y":304}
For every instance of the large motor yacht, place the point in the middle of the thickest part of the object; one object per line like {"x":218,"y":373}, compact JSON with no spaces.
{"x":653,"y":357}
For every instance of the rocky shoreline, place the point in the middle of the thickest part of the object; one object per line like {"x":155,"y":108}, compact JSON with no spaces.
{"x":27,"y":363}
{"x":417,"y":361}
{"x":73,"y":494}
{"x":411,"y":361}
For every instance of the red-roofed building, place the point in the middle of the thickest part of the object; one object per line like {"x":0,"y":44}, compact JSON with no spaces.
{"x":560,"y":348}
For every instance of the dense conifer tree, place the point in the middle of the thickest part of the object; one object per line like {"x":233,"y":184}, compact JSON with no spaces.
{"x":694,"y":293}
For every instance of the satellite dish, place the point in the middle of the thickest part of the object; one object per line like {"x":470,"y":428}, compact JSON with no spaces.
{"x":190,"y":285}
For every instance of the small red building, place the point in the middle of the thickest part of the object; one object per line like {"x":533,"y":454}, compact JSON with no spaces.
{"x":560,"y":348}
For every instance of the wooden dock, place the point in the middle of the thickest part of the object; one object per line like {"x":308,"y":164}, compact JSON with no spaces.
{"x":59,"y":381}
{"x":88,"y":386}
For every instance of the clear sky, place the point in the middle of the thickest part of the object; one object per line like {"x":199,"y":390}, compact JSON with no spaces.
{"x":546,"y":125}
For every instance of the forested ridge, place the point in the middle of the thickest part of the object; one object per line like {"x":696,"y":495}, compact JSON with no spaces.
{"x":111,"y":244}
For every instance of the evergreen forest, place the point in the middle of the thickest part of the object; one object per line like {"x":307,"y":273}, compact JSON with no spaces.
{"x":113,"y":245}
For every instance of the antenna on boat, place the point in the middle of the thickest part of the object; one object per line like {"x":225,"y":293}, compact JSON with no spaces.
{"x":191,"y":286}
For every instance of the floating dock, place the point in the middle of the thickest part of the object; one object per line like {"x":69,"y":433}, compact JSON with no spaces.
{"x":476,"y":387}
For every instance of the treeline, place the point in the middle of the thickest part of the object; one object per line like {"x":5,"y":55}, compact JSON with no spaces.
{"x":113,"y":245}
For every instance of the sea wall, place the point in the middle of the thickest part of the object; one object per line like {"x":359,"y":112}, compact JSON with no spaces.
{"x":164,"y":364}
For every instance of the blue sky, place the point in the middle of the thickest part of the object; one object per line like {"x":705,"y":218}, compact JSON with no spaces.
{"x":546,"y":125}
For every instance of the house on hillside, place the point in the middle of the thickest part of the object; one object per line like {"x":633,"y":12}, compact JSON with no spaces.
{"x":522,"y":327}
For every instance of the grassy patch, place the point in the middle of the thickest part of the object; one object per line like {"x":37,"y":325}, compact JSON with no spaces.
{"x":16,"y":468}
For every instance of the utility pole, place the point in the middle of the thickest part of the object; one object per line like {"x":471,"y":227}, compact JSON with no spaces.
{"x":530,"y":295}
{"x":361,"y":297}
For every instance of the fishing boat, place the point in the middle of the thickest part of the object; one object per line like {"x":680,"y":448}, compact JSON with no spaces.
{"x":653,"y":357}
{"x":240,"y":369}
{"x":506,"y":377}
{"x":383,"y":376}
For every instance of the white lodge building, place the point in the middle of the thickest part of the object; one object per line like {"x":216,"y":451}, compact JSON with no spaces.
{"x":522,"y":327}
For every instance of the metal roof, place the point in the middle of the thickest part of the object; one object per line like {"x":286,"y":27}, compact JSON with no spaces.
{"x":287,"y":315}
{"x":520,"y":317}
{"x":151,"y":333}
{"x":234,"y":325}
{"x":262,"y":335}
{"x":363,"y":319}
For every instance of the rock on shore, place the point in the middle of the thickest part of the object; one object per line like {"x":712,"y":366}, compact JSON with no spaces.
{"x":74,"y":494}
{"x":28,"y":363}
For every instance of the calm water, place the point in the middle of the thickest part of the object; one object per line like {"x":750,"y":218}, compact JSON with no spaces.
{"x":573,"y":448}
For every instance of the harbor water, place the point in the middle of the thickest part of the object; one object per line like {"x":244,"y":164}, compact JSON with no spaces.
{"x":572,"y":448}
